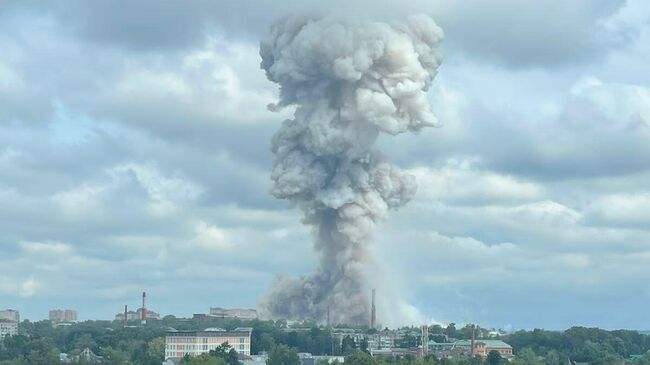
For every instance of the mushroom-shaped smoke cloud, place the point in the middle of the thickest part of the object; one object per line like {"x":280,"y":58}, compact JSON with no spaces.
{"x":348,"y":81}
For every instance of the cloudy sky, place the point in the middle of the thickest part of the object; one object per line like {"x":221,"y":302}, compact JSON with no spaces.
{"x":134,"y":154}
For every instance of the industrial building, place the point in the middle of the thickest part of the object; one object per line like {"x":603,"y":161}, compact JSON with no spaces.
{"x":141,"y":314}
{"x":193,"y":343}
{"x":137,"y":315}
{"x":63,"y":315}
{"x":233,"y":313}
{"x":481,"y":348}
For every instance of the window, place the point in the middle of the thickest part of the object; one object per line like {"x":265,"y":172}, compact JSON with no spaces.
{"x":242,"y":340}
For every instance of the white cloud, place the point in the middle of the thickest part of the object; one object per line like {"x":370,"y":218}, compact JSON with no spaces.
{"x":621,"y":210}
{"x":212,"y":238}
{"x":29,"y":288}
{"x":45,"y":248}
{"x":460,"y":182}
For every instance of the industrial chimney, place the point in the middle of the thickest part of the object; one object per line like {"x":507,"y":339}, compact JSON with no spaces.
{"x":126,"y":315}
{"x":425,"y":340}
{"x":144,"y":308}
{"x":472,"y":351}
{"x":373,"y":311}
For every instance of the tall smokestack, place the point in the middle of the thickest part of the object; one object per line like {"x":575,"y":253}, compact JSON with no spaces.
{"x":373,"y":312}
{"x":348,"y":81}
{"x":472,"y":351}
{"x":126,"y":314}
{"x":144,"y":308}
{"x":425,"y":340}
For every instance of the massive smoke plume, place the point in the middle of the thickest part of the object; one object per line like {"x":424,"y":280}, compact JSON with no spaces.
{"x":348,"y":81}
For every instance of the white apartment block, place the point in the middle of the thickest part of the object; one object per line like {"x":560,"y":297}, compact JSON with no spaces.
{"x":193,"y":343}
{"x":8,"y":328}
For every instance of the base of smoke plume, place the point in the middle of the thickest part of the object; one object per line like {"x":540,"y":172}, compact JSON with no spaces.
{"x":336,"y":288}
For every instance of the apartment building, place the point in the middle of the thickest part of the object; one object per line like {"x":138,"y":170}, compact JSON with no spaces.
{"x":63,"y":315}
{"x":193,"y":343}
{"x":8,"y":328}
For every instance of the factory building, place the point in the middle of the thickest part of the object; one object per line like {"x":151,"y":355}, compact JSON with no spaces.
{"x":193,"y":343}
{"x":141,"y":314}
{"x":137,"y":315}
{"x":63,"y":315}
{"x":481,"y":348}
{"x":233,"y":313}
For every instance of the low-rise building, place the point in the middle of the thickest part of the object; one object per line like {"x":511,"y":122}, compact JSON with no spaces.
{"x":193,"y":343}
{"x":484,"y":347}
{"x":63,"y":315}
{"x":137,"y":315}
{"x":8,"y":328}
{"x":233,"y":313}
{"x":309,"y":359}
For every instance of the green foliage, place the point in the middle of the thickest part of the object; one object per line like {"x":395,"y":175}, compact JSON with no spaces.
{"x":348,"y":345}
{"x":408,"y":341}
{"x":156,"y":348}
{"x":203,"y":359}
{"x":33,"y":351}
{"x":114,"y":357}
{"x":493,"y":358}
{"x":553,"y":358}
{"x":529,"y":357}
{"x":451,"y":330}
{"x":40,"y":343}
{"x":359,"y":358}
{"x":643,"y":360}
{"x":592,"y":345}
{"x":226,"y":354}
{"x":283,"y":355}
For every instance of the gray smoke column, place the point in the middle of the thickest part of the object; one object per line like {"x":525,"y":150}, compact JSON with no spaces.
{"x":348,"y":81}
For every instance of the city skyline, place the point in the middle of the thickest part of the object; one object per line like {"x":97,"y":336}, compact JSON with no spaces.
{"x":135,"y":156}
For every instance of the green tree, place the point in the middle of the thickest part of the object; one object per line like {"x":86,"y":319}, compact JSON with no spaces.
{"x":493,"y":358}
{"x":114,"y":357}
{"x":359,"y":358}
{"x":363,"y":346}
{"x":42,"y":352}
{"x":451,"y":330}
{"x":348,"y":345}
{"x":283,"y":355}
{"x":203,"y":359}
{"x":553,"y":358}
{"x":529,"y":357}
{"x":643,"y":360}
{"x":156,"y":348}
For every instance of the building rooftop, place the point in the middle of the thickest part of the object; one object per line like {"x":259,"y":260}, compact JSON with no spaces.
{"x":494,"y":344}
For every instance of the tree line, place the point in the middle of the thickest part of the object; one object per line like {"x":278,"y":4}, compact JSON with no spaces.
{"x":41,"y":342}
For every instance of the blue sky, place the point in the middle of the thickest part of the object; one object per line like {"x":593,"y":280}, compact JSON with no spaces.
{"x":134,"y":154}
